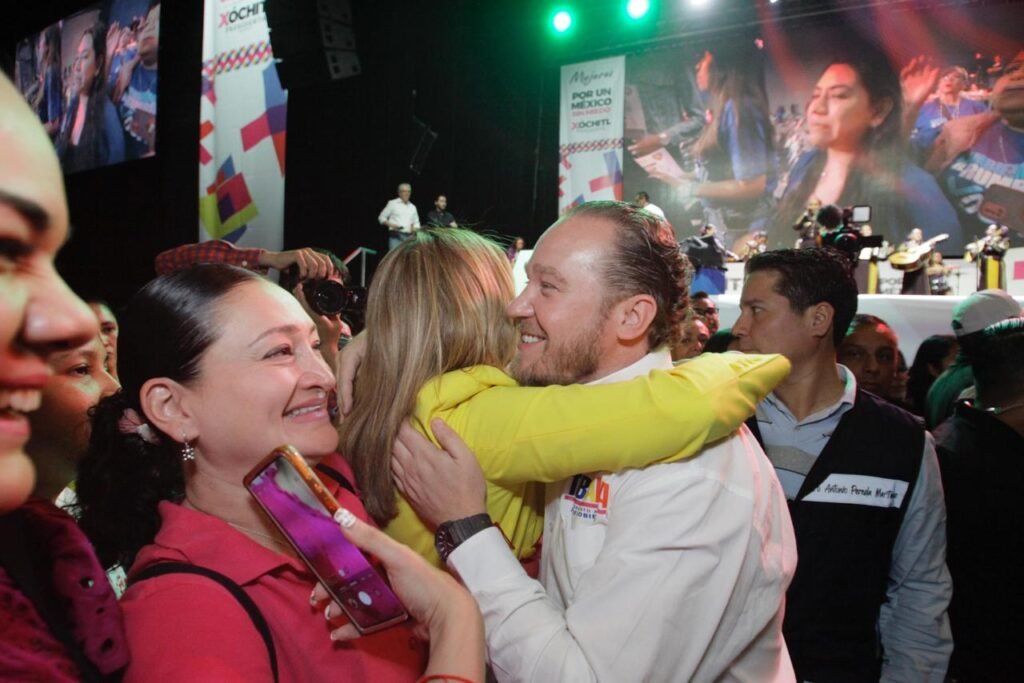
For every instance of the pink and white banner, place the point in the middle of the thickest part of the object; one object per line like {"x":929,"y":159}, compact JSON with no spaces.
{"x":243,"y":113}
{"x":590,"y":137}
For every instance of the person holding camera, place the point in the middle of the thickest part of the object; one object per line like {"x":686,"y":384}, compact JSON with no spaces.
{"x":318,"y":269}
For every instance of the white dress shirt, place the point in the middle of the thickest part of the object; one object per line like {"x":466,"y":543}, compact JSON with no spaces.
{"x":675,"y":572}
{"x":403,"y":214}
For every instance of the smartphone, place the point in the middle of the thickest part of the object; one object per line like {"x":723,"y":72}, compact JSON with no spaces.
{"x":295,"y":499}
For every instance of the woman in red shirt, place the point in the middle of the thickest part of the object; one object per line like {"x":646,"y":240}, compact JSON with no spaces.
{"x":218,"y":367}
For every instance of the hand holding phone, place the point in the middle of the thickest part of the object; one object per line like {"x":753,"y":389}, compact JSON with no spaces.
{"x":303,"y":509}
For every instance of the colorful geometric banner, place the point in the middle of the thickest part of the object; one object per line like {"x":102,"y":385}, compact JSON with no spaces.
{"x":590,"y":139}
{"x":243,"y":116}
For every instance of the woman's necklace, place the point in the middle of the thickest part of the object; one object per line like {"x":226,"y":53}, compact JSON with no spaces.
{"x":273,"y":539}
{"x":244,"y":529}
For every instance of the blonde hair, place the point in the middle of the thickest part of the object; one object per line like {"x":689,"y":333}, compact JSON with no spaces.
{"x":436,"y":304}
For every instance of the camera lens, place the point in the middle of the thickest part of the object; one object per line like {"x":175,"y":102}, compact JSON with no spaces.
{"x":325,"y":297}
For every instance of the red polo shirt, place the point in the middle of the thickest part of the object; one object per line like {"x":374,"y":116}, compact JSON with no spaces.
{"x":183,"y":627}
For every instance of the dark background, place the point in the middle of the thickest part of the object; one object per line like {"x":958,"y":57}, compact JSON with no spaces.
{"x":485,"y":77}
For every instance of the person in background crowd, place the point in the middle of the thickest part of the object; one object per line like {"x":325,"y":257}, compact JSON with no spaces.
{"x":91,"y":134}
{"x":934,"y":355}
{"x":970,"y":317}
{"x":643,"y":201}
{"x":977,"y":153}
{"x":693,"y":336}
{"x":870,"y":351}
{"x":59,"y":619}
{"x":735,"y":151}
{"x":400,"y":217}
{"x":518,"y":244}
{"x":706,"y":309}
{"x":869,"y":598}
{"x":439,"y":216}
{"x":854,"y":120}
{"x":980,"y":451}
{"x":108,"y":332}
{"x":80,"y":377}
{"x":948,"y":105}
{"x":334,"y":330}
{"x":135,"y":91}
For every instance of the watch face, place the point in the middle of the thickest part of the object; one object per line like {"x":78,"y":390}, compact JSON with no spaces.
{"x":443,"y":541}
{"x":450,"y":535}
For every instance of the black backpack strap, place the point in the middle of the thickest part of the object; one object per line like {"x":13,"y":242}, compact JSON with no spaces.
{"x":19,"y":558}
{"x":338,"y":477}
{"x":258,"y":620}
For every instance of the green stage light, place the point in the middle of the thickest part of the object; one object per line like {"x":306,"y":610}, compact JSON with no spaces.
{"x":637,"y":9}
{"x":562,"y":21}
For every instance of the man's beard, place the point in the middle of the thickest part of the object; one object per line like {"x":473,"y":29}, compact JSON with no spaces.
{"x":568,"y":363}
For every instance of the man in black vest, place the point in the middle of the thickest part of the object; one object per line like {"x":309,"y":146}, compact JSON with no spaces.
{"x":869,"y":598}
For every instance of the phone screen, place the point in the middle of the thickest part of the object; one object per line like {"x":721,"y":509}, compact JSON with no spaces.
{"x":367,"y":600}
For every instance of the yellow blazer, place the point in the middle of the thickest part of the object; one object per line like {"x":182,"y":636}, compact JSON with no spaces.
{"x":525,"y":437}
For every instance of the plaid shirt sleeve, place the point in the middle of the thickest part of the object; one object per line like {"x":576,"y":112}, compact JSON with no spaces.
{"x":212,"y":251}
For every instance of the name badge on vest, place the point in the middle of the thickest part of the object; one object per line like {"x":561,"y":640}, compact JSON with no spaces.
{"x":859,"y":489}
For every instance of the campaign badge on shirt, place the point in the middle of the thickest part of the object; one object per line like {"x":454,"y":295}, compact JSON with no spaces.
{"x":859,"y":489}
{"x":586,"y":499}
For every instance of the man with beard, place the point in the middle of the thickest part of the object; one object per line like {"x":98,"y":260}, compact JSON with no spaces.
{"x":134,"y":93}
{"x":672,"y":572}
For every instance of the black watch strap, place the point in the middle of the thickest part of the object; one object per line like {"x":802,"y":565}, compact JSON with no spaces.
{"x":450,"y":535}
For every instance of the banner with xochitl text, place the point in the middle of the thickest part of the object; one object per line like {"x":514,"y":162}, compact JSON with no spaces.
{"x":243,"y":112}
{"x":590,"y":137}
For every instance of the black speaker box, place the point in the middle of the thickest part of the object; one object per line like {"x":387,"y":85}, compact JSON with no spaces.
{"x":313,"y":41}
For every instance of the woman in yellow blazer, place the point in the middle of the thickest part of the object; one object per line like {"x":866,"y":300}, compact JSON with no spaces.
{"x":436,"y":337}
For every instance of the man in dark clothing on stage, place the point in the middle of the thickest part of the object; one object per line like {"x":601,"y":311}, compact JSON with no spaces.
{"x":439,"y":216}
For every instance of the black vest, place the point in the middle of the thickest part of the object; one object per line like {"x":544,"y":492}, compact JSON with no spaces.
{"x":844,"y":551}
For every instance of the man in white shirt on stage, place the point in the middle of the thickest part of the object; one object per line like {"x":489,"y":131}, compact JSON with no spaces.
{"x":400,"y":217}
{"x":643,"y":201}
{"x":675,"y":572}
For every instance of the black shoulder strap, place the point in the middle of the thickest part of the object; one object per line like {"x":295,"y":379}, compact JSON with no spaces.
{"x":338,"y":477}
{"x":258,"y":620}
{"x":18,"y":559}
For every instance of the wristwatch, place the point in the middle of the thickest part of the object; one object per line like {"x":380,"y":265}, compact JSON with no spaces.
{"x":450,"y":535}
